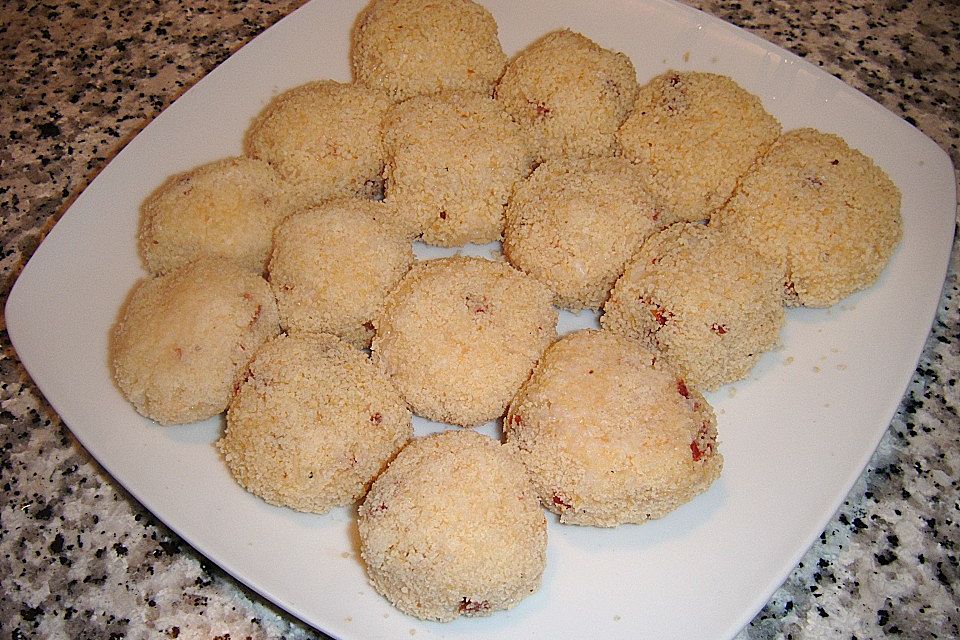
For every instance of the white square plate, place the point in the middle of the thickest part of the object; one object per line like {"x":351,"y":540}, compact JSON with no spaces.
{"x":795,"y":435}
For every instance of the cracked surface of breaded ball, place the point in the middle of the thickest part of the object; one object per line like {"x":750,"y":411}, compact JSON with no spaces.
{"x":182,"y":339}
{"x":412,"y":47}
{"x":458,"y":336}
{"x":570,"y":94}
{"x":313,"y":423}
{"x":575,"y":223}
{"x":333,"y":265}
{"x":453,"y":528}
{"x":823,"y":211}
{"x":452,"y":160}
{"x":704,"y":299}
{"x":323,"y":138}
{"x":227,"y":208}
{"x":609,"y":434}
{"x":696,"y":134}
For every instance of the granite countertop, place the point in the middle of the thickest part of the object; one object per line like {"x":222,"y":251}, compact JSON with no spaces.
{"x":80,"y":558}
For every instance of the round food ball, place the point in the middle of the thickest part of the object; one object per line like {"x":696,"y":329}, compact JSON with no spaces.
{"x":609,"y":434}
{"x":333,"y":265}
{"x":570,"y":94}
{"x":575,"y":223}
{"x":705,"y":300}
{"x":313,"y":423}
{"x":458,"y":336}
{"x":452,"y":161}
{"x":411,"y":47}
{"x":453,"y":528}
{"x":696,"y":134}
{"x":323,"y":138}
{"x":225,"y":208}
{"x":183,"y":338}
{"x":823,"y":211}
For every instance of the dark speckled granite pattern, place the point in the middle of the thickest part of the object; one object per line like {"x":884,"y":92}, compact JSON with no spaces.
{"x":79,"y":558}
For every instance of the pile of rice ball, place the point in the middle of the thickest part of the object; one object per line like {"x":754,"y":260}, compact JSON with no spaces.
{"x":284,"y":291}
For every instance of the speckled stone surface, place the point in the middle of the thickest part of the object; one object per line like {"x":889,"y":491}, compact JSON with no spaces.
{"x":79,"y":558}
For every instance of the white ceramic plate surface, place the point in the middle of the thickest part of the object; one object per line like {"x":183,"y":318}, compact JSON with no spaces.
{"x":795,"y":435}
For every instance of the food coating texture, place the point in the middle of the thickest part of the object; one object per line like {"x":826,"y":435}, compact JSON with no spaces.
{"x":452,"y":161}
{"x":323,"y":138}
{"x":823,"y":211}
{"x":574,"y":224}
{"x":696,"y":134}
{"x":411,"y":47}
{"x":703,"y":299}
{"x":458,"y":336}
{"x":226,"y":208}
{"x":453,"y":527}
{"x":313,"y":423}
{"x":609,"y":434}
{"x":571,"y":94}
{"x":333,"y":265}
{"x":182,"y":339}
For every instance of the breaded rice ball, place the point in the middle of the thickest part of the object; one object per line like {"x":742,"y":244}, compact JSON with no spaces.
{"x":823,"y":211}
{"x":226,"y":208}
{"x":696,"y":134}
{"x":333,"y":265}
{"x":411,"y":47}
{"x":323,"y":138}
{"x":570,"y":94}
{"x":609,"y":434}
{"x":575,"y":223}
{"x":453,"y":527}
{"x":313,"y":423}
{"x":452,"y":161}
{"x":183,"y":338}
{"x":458,"y":336}
{"x":703,"y":299}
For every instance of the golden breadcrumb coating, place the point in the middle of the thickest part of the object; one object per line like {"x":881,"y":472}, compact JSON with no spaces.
{"x":323,"y":138}
{"x":226,"y":208}
{"x":575,"y":223}
{"x":313,"y":423}
{"x":704,"y":299}
{"x":458,"y":336}
{"x":823,"y":211}
{"x":333,"y":265}
{"x":570,"y":94}
{"x":452,"y":161}
{"x":696,"y":134}
{"x":453,"y":528}
{"x":411,"y":47}
{"x":183,"y":338}
{"x":610,"y":434}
